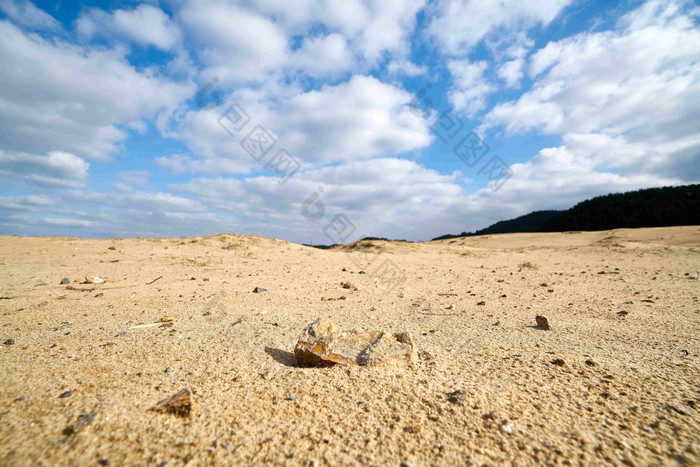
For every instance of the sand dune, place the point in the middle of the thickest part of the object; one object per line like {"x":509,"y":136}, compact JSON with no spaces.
{"x":180,"y":313}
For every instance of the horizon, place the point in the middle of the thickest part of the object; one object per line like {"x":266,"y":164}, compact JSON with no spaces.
{"x":314,"y":122}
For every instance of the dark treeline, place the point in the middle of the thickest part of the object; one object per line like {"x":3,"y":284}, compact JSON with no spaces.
{"x":651,"y":207}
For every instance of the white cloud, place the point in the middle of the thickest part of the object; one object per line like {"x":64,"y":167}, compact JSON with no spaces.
{"x":470,"y":87}
{"x":386,"y":196}
{"x":68,"y":222}
{"x":361,"y":118}
{"x":54,"y":169}
{"x":636,"y":89}
{"x":144,"y":25}
{"x":323,"y":55}
{"x":459,"y":25}
{"x":26,"y":14}
{"x":236,"y":44}
{"x":58,"y":96}
{"x":406,"y":67}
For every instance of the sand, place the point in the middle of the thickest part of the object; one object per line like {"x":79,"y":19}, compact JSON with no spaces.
{"x":485,"y":390}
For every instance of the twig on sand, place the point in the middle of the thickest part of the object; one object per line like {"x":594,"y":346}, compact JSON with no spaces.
{"x":70,"y":287}
{"x":159,"y":277}
{"x":438,"y":314}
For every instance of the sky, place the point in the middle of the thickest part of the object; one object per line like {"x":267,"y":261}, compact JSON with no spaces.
{"x":324,"y":121}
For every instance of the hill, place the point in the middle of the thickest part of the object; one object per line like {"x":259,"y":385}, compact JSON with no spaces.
{"x":651,"y":207}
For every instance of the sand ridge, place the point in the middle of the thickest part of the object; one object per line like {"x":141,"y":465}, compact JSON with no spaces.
{"x":485,"y":391}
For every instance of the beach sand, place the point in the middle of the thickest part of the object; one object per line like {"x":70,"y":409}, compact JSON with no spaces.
{"x":623,"y":388}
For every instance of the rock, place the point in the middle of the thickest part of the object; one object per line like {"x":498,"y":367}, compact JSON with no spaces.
{"x":169,"y":369}
{"x":589,"y":363}
{"x":259,"y":290}
{"x":65,"y":394}
{"x":9,"y":341}
{"x":323,"y":344}
{"x":347,"y":285}
{"x":482,"y":303}
{"x":362,"y":272}
{"x":558,"y":362}
{"x":93,"y":280}
{"x":622,"y":313}
{"x":457,"y":397}
{"x":83,"y":421}
{"x":181,"y":404}
{"x":542,"y":323}
{"x":65,"y":281}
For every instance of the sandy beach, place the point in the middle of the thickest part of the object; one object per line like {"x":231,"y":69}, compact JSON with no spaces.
{"x":616,"y":380}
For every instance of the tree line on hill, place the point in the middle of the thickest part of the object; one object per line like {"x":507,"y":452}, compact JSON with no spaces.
{"x":651,"y":207}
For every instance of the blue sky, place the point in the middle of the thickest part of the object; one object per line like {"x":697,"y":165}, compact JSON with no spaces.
{"x":405,"y":119}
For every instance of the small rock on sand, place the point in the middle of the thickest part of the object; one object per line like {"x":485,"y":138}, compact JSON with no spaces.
{"x":259,"y":290}
{"x":93,"y":280}
{"x":323,"y":344}
{"x":542,"y":323}
{"x":65,"y":281}
{"x":181,"y":404}
{"x":9,"y":341}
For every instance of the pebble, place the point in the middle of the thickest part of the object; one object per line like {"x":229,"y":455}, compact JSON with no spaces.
{"x":181,"y":403}
{"x":481,"y":303}
{"x":558,"y":362}
{"x":65,"y":394}
{"x":169,"y":369}
{"x":589,"y":363}
{"x":457,"y":397}
{"x":542,"y":323}
{"x":9,"y":341}
{"x":259,"y":290}
{"x":65,"y":281}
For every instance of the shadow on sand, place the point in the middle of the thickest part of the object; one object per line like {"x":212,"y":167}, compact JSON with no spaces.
{"x":282,"y":356}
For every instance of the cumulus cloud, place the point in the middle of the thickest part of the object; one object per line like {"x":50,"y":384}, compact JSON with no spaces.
{"x":144,"y":25}
{"x":470,"y":87}
{"x":459,"y":25}
{"x":28,"y":15}
{"x":625,"y":98}
{"x":361,"y":118}
{"x":405,"y":67}
{"x":53,"y":169}
{"x":56,"y":96}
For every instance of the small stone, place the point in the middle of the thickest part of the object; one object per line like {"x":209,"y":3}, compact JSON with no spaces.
{"x":362,"y":272}
{"x":290,"y":397}
{"x":482,"y":303}
{"x":589,"y":363}
{"x":99,"y":295}
{"x":112,"y":248}
{"x":542,"y":323}
{"x":401,"y":295}
{"x":206,"y":279}
{"x":457,"y":397}
{"x":493,"y":415}
{"x":347,"y":285}
{"x":9,"y":341}
{"x":94,"y":280}
{"x":622,"y":313}
{"x":65,"y":394}
{"x":83,"y":421}
{"x":121,"y":334}
{"x":259,"y":290}
{"x":558,"y":362}
{"x":323,"y":344}
{"x":65,"y":281}
{"x":181,"y":404}
{"x":169,"y":369}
